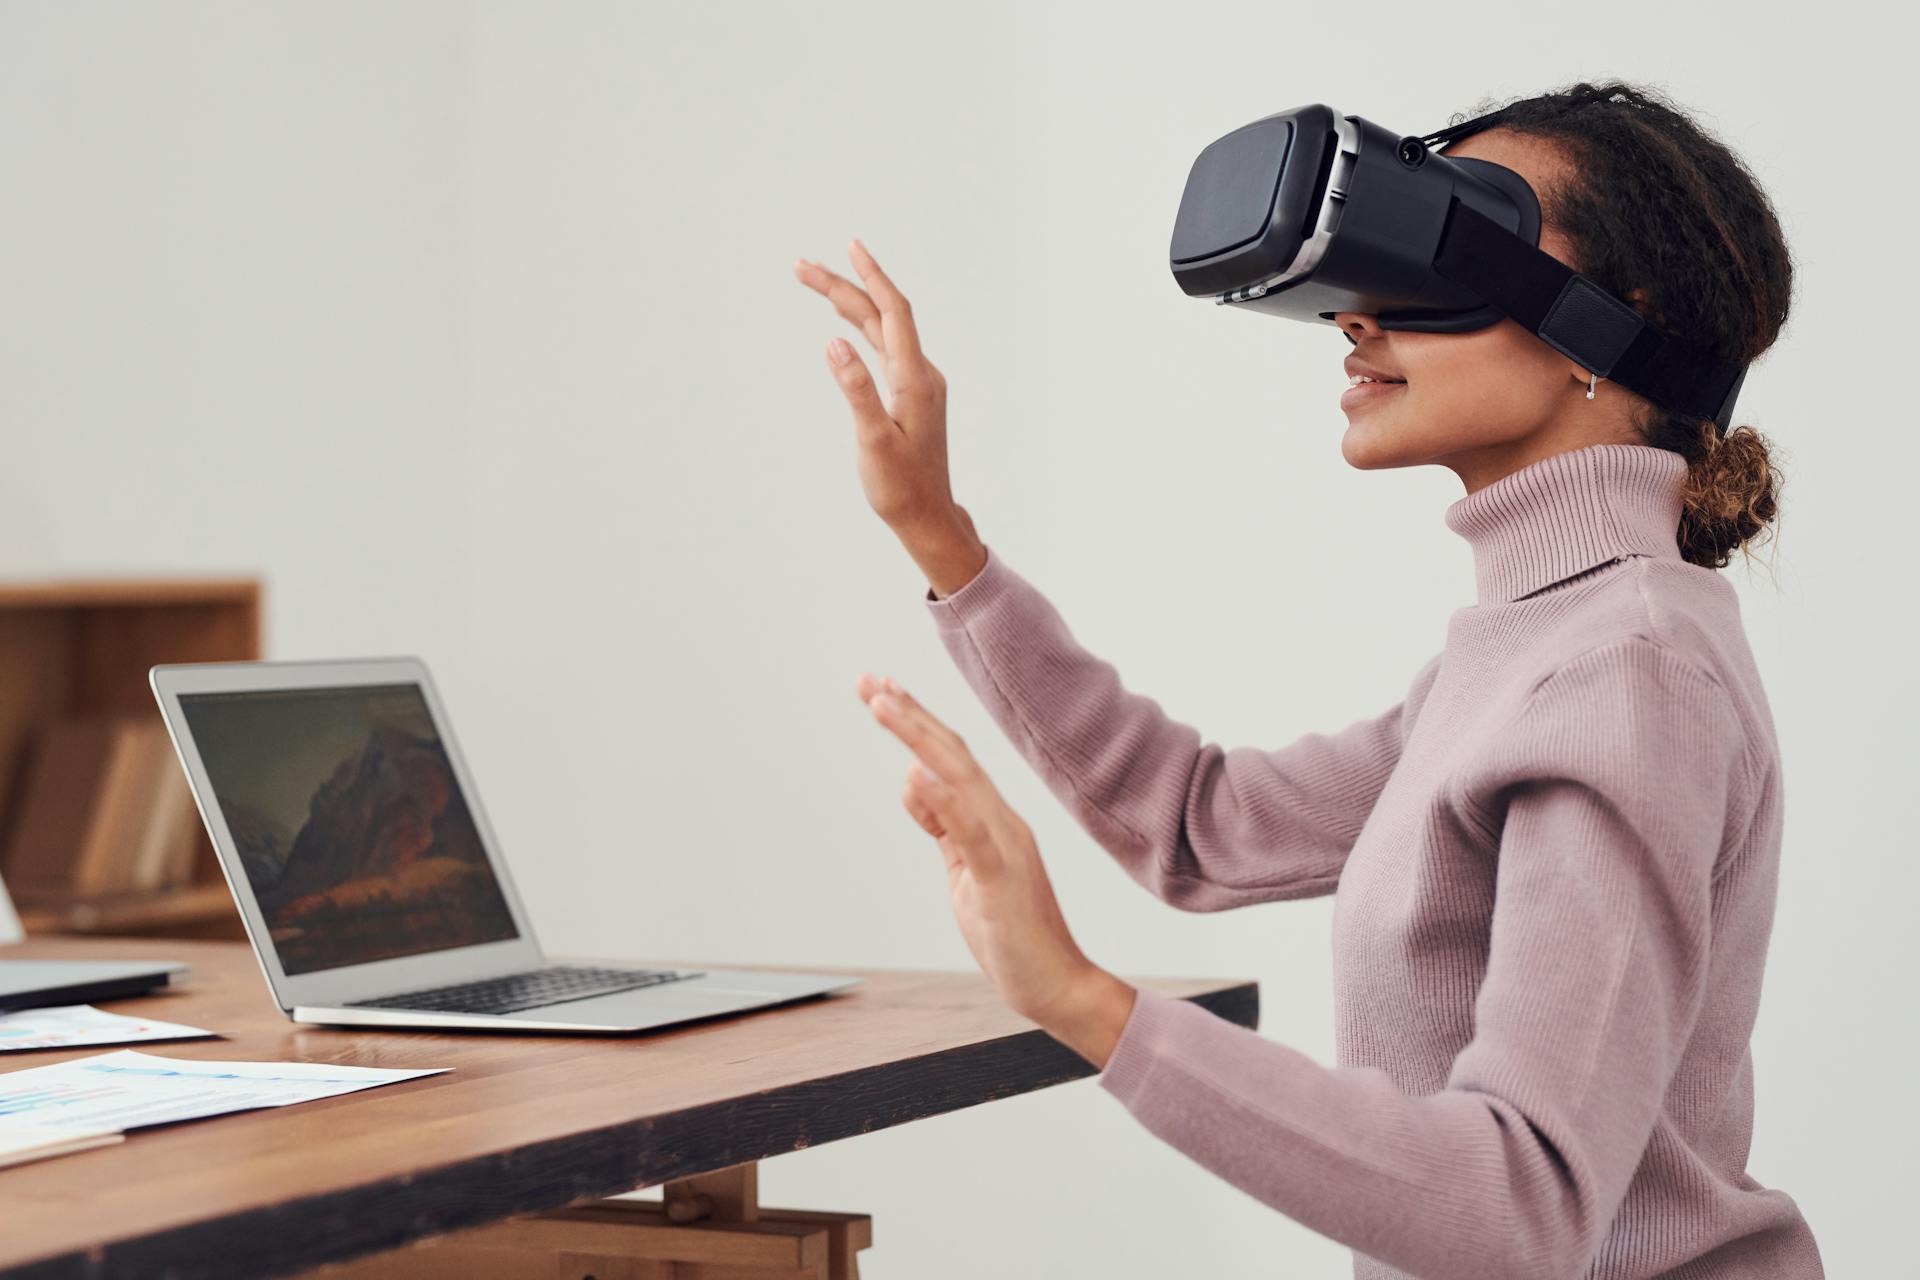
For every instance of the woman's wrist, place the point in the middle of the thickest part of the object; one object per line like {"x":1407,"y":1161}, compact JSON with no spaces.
{"x":1093,"y":1015}
{"x":948,"y":552}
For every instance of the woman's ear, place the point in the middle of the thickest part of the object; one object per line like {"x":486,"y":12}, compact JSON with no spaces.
{"x":1638,"y":297}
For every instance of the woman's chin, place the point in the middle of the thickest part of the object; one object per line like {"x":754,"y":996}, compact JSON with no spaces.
{"x":1371,"y":442}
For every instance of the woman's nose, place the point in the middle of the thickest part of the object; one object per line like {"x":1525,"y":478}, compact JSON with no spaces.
{"x":1357,"y":324}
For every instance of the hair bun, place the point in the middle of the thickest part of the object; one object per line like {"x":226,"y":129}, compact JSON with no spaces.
{"x":1732,"y":494}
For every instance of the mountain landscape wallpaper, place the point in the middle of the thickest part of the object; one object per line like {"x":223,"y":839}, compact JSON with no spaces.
{"x":351,"y":826}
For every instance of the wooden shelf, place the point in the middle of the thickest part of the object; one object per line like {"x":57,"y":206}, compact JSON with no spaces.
{"x":196,"y":911}
{"x":82,"y":646}
{"x":93,"y":593}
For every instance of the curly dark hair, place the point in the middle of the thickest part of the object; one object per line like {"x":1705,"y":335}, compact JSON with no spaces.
{"x":1663,"y":206}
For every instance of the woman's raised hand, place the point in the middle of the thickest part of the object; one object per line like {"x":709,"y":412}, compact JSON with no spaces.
{"x":902,"y":446}
{"x":1002,"y":899}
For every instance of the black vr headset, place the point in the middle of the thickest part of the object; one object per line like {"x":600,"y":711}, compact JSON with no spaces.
{"x":1308,"y":213}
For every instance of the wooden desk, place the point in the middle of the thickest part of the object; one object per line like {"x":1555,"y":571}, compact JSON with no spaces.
{"x":522,"y":1124}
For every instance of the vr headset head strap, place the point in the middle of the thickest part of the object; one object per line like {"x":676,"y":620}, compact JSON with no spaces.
{"x":1582,"y":321}
{"x":1455,"y":132}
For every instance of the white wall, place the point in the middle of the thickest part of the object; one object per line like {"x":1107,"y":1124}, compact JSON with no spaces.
{"x":472,"y":328}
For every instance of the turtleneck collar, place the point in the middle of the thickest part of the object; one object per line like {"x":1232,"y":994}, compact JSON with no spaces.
{"x":1565,"y":514}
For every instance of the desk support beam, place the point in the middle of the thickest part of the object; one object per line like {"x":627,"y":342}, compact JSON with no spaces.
{"x":726,"y":1195}
{"x":707,"y":1227}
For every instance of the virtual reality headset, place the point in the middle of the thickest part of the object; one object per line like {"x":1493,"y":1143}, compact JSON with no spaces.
{"x":1308,"y":213}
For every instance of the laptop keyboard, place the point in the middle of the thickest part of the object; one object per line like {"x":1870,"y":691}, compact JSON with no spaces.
{"x":555,"y":984}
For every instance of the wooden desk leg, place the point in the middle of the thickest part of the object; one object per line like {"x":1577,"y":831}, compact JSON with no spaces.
{"x":847,"y":1234}
{"x":733,"y":1195}
{"x":708,"y":1227}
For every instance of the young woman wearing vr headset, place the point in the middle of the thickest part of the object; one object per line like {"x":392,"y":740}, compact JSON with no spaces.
{"x":1554,"y":860}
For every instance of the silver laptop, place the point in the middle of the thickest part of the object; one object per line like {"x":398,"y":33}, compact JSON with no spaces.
{"x":36,"y":984}
{"x":371,"y":885}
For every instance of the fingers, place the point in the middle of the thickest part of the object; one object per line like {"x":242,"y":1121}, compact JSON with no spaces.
{"x":938,"y":746}
{"x":946,"y":793}
{"x":917,"y":716}
{"x":965,"y":836}
{"x":848,"y":298}
{"x":885,"y":316}
{"x":921,"y":809}
{"x":916,"y":803}
{"x":856,"y":383}
{"x":896,"y":316}
{"x":908,"y":371}
{"x":899,"y":694}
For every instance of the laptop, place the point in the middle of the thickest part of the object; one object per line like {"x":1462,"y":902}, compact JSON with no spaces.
{"x":35,"y":984}
{"x":371,"y":885}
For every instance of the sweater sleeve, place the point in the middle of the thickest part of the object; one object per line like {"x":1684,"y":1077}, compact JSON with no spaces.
{"x":1613,"y":795}
{"x":1203,"y":827}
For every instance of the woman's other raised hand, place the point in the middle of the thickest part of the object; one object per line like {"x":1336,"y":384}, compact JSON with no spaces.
{"x":902,"y":446}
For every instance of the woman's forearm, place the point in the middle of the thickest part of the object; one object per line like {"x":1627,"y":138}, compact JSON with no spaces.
{"x":1201,"y":826}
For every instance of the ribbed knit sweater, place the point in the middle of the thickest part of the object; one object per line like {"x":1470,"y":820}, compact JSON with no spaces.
{"x":1553,"y":866}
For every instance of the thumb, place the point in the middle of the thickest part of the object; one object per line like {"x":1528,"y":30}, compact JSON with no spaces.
{"x":851,"y":372}
{"x":967,"y":834}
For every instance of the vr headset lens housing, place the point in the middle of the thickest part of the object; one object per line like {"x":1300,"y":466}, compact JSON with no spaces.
{"x":1309,"y":213}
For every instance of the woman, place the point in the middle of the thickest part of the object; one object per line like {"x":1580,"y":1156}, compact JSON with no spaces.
{"x":1553,"y":861}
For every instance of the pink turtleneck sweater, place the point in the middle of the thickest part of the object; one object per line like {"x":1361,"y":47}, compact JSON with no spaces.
{"x":1553,"y":866}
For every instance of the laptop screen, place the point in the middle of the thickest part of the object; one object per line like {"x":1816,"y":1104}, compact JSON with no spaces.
{"x":350,"y":823}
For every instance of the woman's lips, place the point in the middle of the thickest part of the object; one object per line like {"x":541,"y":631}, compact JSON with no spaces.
{"x":1366,"y":392}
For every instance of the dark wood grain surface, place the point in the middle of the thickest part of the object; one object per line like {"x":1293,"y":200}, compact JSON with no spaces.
{"x":521,"y":1123}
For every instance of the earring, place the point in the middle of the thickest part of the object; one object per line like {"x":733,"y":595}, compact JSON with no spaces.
{"x":1591,"y":379}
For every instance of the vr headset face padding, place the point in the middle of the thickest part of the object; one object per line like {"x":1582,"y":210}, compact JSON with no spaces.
{"x":1308,"y":213}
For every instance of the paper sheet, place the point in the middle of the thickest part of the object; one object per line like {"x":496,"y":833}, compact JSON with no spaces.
{"x":72,"y":1026}
{"x":20,"y":1143}
{"x":128,"y":1089}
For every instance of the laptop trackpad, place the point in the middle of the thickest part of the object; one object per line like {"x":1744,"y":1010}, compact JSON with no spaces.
{"x":679,"y":998}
